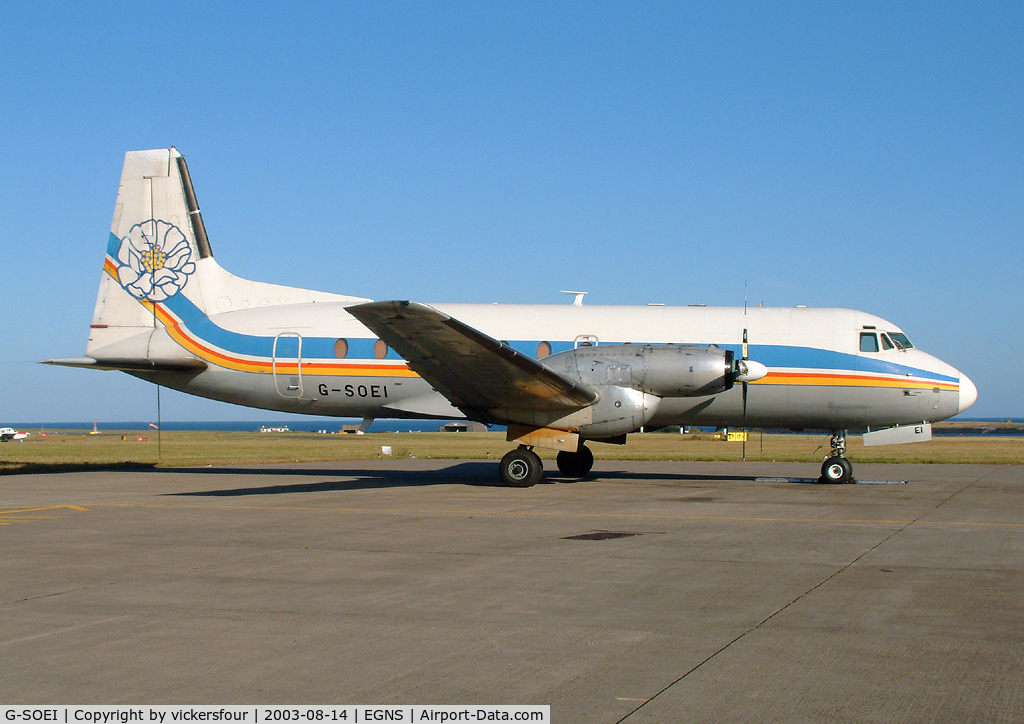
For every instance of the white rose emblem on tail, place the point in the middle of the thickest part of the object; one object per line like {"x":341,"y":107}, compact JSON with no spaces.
{"x":155,"y":260}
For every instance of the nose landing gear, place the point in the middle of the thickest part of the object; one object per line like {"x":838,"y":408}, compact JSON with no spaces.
{"x":837,"y":469}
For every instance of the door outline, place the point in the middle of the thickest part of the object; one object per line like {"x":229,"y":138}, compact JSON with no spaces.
{"x":289,"y":386}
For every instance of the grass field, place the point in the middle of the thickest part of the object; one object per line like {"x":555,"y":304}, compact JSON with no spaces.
{"x":77,"y":451}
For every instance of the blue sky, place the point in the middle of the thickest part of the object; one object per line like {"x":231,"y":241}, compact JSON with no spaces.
{"x":864,"y":155}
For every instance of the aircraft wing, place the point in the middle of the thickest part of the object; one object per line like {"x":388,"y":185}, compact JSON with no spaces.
{"x":477,"y":373}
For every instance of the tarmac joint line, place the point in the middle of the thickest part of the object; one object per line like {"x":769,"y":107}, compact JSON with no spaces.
{"x":803,"y":595}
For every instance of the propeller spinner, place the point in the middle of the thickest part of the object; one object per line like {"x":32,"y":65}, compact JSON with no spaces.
{"x":747,"y":370}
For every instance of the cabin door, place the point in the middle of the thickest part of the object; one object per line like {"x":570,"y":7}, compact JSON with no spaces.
{"x":287,"y":364}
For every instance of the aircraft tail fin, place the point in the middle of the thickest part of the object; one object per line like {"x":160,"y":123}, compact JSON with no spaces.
{"x":159,"y":265}
{"x":157,"y":237}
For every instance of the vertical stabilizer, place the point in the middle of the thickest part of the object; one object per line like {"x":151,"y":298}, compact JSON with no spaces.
{"x":159,"y":265}
{"x":156,"y":238}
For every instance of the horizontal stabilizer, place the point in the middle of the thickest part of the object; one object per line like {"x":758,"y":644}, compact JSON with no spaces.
{"x":477,"y":373}
{"x":131,"y":365}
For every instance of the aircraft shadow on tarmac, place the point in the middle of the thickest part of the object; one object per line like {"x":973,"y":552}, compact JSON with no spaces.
{"x":475,"y":474}
{"x":470,"y":474}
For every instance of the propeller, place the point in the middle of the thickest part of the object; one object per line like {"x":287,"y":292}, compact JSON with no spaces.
{"x":746,"y":370}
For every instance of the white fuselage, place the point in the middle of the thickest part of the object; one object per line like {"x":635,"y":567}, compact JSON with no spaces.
{"x":315,"y":358}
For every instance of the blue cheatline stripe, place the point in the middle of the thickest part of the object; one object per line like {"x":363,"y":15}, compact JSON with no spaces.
{"x":201,"y":326}
{"x":813,"y":358}
{"x":772,"y":356}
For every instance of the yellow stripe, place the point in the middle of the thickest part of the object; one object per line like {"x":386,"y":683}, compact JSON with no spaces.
{"x":849,"y":380}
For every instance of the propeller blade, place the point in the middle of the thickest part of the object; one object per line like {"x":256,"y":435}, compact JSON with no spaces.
{"x":744,"y":421}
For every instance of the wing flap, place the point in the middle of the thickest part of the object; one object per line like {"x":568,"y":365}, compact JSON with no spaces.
{"x":477,"y":373}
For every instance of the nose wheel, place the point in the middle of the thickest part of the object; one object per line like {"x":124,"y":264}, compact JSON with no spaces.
{"x":837,"y":469}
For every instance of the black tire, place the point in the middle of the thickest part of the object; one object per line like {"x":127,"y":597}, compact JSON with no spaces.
{"x":521,"y":468}
{"x":836,"y":470}
{"x":577,"y":464}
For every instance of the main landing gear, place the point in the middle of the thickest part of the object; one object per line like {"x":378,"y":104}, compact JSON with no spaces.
{"x":577,"y":464}
{"x":522,"y":467}
{"x":837,"y":469}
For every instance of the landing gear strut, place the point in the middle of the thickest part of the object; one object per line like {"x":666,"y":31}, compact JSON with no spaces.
{"x":836,"y":468}
{"x":521,"y":468}
{"x":575,"y":464}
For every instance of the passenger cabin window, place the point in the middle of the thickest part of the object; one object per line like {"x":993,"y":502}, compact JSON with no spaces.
{"x":868,"y":342}
{"x":886,"y":342}
{"x":900,"y":340}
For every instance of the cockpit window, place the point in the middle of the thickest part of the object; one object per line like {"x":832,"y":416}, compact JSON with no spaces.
{"x":900,"y":340}
{"x":886,"y":342}
{"x":868,"y":342}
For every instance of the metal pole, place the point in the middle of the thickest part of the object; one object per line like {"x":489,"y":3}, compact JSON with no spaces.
{"x":159,"y":427}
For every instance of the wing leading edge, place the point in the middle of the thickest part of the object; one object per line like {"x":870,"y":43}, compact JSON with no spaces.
{"x":478,"y":374}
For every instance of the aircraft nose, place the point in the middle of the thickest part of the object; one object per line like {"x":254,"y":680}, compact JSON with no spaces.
{"x":968,"y":393}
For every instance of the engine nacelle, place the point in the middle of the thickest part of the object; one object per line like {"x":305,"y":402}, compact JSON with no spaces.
{"x":618,"y":411}
{"x":671,"y":370}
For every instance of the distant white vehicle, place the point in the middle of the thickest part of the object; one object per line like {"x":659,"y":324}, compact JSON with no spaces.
{"x":9,"y":433}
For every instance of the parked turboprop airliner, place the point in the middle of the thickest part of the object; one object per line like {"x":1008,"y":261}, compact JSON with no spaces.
{"x":555,"y":375}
